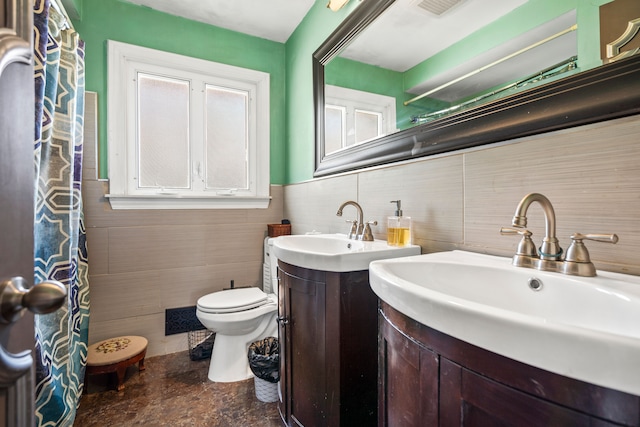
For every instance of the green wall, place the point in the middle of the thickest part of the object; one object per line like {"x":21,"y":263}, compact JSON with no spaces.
{"x":289,"y":64}
{"x":116,"y":20}
{"x":312,"y":31}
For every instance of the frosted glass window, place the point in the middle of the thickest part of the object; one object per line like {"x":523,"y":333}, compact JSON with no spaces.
{"x":368,"y":125}
{"x":185,"y":133}
{"x":227,"y":138}
{"x":163,"y":132}
{"x":334,"y":137}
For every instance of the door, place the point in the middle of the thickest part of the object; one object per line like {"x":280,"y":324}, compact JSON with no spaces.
{"x":408,"y":380}
{"x":305,"y":377}
{"x":470,"y":399}
{"x":16,"y":213}
{"x":16,"y":218}
{"x":283,"y":330}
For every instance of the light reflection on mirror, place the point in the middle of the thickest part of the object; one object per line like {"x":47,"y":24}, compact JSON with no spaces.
{"x":409,"y":51}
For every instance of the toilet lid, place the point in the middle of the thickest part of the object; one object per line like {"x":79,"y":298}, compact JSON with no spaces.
{"x":232,"y":300}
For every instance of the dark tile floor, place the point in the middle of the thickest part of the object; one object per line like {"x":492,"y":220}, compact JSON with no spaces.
{"x":173,"y":391}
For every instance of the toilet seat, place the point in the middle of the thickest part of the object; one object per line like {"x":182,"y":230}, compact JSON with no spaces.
{"x":232,"y":300}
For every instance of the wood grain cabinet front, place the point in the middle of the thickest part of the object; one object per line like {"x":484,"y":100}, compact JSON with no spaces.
{"x":427,"y":378}
{"x":409,"y":379}
{"x":328,"y":348}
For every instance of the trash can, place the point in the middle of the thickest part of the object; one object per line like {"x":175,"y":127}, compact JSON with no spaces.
{"x":200,"y":344}
{"x":264,"y":361}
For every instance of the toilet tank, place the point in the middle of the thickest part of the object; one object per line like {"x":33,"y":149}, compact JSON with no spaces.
{"x":269,"y":268}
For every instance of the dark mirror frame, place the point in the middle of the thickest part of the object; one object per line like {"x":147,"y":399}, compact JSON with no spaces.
{"x":603,"y":93}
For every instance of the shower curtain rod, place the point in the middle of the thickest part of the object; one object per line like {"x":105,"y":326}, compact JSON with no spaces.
{"x":472,"y":73}
{"x":540,"y":75}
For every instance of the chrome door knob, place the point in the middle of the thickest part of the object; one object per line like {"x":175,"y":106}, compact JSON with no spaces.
{"x":45,"y":297}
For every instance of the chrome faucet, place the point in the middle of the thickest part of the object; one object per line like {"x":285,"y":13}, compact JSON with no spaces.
{"x":359,"y":230}
{"x":549,"y":256}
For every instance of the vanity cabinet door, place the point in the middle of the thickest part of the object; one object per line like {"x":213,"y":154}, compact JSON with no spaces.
{"x":283,"y":341}
{"x":427,"y":378}
{"x":408,"y":379}
{"x":305,"y":376}
{"x":469,"y":399}
{"x":329,"y":342}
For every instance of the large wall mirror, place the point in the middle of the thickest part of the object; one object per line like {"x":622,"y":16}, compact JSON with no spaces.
{"x":387,"y":90}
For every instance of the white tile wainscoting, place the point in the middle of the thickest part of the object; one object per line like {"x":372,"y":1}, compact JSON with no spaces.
{"x":460,"y":200}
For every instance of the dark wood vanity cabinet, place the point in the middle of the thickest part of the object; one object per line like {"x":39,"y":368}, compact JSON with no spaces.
{"x":427,"y":378}
{"x":328,"y":348}
{"x":408,"y":379}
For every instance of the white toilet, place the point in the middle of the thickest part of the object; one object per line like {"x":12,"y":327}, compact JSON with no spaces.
{"x":239,"y":317}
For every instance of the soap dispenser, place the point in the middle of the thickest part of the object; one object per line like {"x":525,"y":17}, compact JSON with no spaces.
{"x":398,"y":227}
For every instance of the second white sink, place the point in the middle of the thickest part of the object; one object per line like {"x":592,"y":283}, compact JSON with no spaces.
{"x":586,"y":328}
{"x":335,"y":252}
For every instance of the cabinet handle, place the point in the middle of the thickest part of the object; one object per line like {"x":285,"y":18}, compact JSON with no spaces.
{"x":282,"y":320}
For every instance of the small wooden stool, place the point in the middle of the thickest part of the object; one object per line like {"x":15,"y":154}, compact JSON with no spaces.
{"x":116,"y":355}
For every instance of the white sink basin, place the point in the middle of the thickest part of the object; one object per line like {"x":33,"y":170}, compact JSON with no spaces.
{"x":335,"y":252}
{"x":587,"y":328}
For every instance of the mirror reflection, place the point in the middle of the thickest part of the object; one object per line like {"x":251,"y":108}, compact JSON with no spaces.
{"x":423,"y":60}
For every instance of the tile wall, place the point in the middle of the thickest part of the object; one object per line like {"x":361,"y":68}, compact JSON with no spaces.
{"x":142,"y":262}
{"x":590,"y":173}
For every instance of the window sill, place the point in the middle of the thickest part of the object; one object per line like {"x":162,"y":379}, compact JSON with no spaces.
{"x":185,"y":202}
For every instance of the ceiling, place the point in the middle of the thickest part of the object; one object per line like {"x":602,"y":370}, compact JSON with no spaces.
{"x":269,"y":19}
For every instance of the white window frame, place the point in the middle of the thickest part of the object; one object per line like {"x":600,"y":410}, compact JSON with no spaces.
{"x":352,"y":100}
{"x":124,"y":62}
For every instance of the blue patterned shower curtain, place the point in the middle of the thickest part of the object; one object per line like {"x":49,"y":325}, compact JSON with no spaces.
{"x":60,"y":238}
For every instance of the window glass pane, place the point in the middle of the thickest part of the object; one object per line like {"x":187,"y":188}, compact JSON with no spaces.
{"x":368,"y":125}
{"x":227,"y":138}
{"x":163,"y":132}
{"x":334,"y":128}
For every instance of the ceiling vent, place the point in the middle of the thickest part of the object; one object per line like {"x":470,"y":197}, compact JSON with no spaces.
{"x":438,"y":7}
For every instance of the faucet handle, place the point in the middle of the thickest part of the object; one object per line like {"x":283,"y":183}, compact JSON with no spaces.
{"x":578,"y":252}
{"x":578,"y":262}
{"x":607,"y":238}
{"x":367,"y":235}
{"x":354,"y":228}
{"x":526,"y":246}
{"x":508,"y":231}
